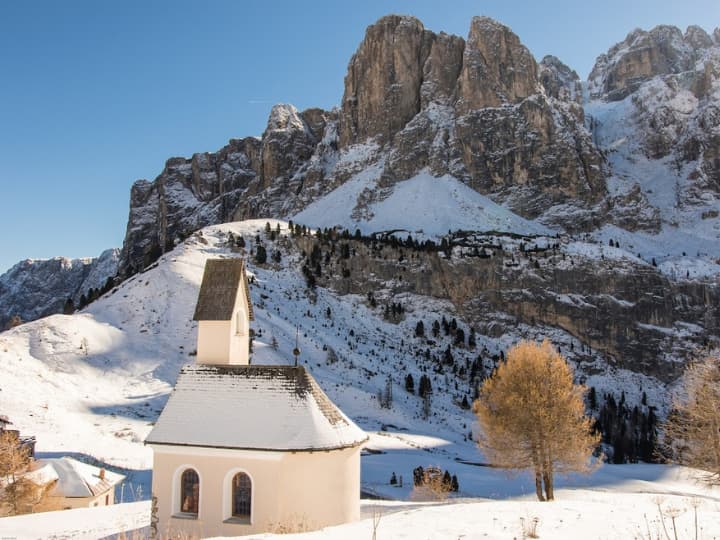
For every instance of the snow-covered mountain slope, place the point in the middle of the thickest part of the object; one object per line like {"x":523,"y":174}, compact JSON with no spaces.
{"x":422,"y":205}
{"x":654,"y":110}
{"x":93,"y":382}
{"x":35,"y":288}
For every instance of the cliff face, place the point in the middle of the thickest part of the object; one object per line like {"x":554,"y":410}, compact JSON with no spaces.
{"x":35,"y":288}
{"x":476,"y":109}
{"x":619,"y":308}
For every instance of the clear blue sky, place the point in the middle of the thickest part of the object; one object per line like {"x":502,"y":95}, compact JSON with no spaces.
{"x":96,"y":94}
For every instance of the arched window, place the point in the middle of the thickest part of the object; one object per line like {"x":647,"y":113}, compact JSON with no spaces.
{"x":241,"y":496}
{"x":189,"y":492}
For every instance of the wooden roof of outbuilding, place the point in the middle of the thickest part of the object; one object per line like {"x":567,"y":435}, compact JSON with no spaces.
{"x":219,"y":289}
{"x":249,"y":407}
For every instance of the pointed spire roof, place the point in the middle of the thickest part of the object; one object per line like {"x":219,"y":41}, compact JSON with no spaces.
{"x":219,"y":289}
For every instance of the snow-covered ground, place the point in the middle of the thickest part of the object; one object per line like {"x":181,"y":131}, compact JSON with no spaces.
{"x":91,"y":385}
{"x":616,"y":502}
{"x":423,"y":204}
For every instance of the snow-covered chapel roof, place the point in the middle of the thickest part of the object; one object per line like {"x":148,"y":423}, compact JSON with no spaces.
{"x":277,"y":408}
{"x":219,"y":288}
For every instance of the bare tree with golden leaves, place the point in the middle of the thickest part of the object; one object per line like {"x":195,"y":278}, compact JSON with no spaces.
{"x":692,"y":430}
{"x":14,"y":460}
{"x":532,"y":416}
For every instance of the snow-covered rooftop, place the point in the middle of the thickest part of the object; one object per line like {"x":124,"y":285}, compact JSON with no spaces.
{"x":252,"y":407}
{"x":77,"y":479}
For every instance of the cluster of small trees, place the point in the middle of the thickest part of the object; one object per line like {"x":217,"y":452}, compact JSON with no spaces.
{"x":90,"y":296}
{"x":433,"y":483}
{"x":631,"y":431}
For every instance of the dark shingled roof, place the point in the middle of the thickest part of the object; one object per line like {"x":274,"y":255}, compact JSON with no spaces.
{"x":248,"y":407}
{"x":218,"y":290}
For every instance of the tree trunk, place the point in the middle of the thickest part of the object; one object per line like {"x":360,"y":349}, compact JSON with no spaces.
{"x":538,"y":486}
{"x":548,"y":479}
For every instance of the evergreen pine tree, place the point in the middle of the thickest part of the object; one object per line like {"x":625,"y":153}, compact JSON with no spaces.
{"x":260,"y":254}
{"x":410,"y":383}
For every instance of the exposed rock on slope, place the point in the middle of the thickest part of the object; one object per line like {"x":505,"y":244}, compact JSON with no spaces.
{"x":474,"y":109}
{"x":35,"y":288}
{"x":656,"y":114}
{"x":643,"y":55}
{"x":616,"y":306}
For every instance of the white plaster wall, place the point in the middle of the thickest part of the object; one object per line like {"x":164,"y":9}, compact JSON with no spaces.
{"x":303,"y":490}
{"x":213,"y":345}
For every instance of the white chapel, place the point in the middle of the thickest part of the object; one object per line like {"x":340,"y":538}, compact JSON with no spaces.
{"x":241,"y":448}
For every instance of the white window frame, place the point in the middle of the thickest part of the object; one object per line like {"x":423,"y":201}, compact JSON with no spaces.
{"x":227,"y":497}
{"x":176,"y":487}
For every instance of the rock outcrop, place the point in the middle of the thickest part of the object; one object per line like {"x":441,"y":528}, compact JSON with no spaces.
{"x":661,"y":104}
{"x":480,"y":109}
{"x":619,"y":308}
{"x":644,"y":55}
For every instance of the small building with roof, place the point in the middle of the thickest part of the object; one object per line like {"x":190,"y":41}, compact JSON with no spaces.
{"x":240,"y":448}
{"x":76,"y":484}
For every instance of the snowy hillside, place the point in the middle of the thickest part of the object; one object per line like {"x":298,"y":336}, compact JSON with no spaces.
{"x":619,"y":502}
{"x":421,"y":205}
{"x":94,"y":382}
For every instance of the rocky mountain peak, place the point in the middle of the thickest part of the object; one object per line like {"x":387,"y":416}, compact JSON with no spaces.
{"x":382,"y":85}
{"x":642,"y":55}
{"x":35,"y":288}
{"x":559,"y":81}
{"x":284,"y":117}
{"x":400,"y":68}
{"x":697,"y":38}
{"x":497,"y":67}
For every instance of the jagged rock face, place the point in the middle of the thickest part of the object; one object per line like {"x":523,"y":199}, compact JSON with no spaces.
{"x":286,"y":142}
{"x":187,"y":195}
{"x":382,"y":86}
{"x":427,"y":100}
{"x":441,"y":70}
{"x":479,"y":109}
{"x":497,"y":68}
{"x":531,"y":156}
{"x":643,"y":55}
{"x":659,"y":96}
{"x":532,"y":153}
{"x":559,"y":81}
{"x":35,"y":288}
